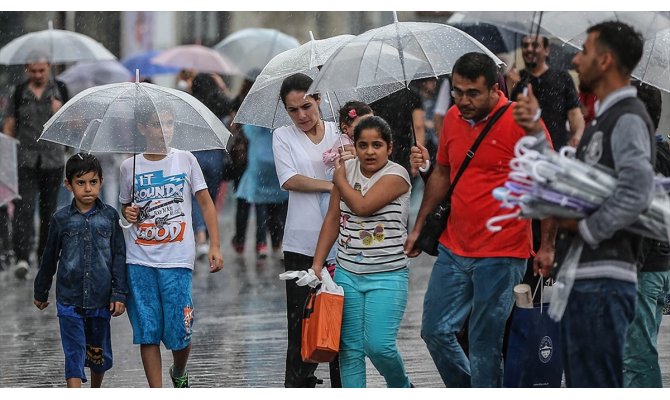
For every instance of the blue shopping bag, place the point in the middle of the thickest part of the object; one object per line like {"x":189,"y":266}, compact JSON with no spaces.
{"x":533,"y":357}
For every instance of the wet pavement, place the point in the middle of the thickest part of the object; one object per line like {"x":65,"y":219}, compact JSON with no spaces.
{"x":239,"y":337}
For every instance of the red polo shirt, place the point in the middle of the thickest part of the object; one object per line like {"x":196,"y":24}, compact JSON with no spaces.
{"x":472,"y":202}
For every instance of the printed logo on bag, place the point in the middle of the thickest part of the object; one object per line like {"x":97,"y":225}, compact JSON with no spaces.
{"x":546,"y":349}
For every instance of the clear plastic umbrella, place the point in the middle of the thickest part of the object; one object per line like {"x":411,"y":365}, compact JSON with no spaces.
{"x":102,"y":119}
{"x":654,"y":66}
{"x":197,"y":57}
{"x":9,"y":181}
{"x":263,"y":107}
{"x":519,"y":22}
{"x":86,"y":74}
{"x":396,"y":53}
{"x":571,"y":26}
{"x":54,"y":45}
{"x":251,"y":49}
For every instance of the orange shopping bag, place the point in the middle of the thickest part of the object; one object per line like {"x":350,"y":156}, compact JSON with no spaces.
{"x":321,"y":325}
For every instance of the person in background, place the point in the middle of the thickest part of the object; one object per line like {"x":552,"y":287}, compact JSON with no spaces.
{"x":403,"y":110}
{"x":640,"y":357}
{"x":40,"y":164}
{"x":210,"y":90}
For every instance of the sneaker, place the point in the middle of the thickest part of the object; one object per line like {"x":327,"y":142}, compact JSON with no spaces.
{"x":238,"y":247}
{"x":21,"y":269}
{"x":262,"y":250}
{"x":181,"y":381}
{"x":201,"y":250}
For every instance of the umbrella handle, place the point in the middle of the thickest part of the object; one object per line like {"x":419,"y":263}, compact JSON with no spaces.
{"x":126,"y":225}
{"x":426,"y":168}
{"x":499,"y":218}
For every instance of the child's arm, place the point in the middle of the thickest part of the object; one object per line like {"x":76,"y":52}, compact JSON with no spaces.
{"x":383,"y":192}
{"x":119,"y":278}
{"x":48,"y":266}
{"x":209,"y":213}
{"x":330,"y":230}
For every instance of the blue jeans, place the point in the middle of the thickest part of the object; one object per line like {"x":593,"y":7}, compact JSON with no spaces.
{"x":640,"y":362}
{"x":479,"y":287}
{"x":593,"y":330}
{"x":374,"y":305}
{"x":212,"y":163}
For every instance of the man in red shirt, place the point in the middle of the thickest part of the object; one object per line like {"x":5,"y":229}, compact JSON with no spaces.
{"x":476,"y":269}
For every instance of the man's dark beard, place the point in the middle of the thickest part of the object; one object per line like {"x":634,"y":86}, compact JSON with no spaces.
{"x":531,"y":65}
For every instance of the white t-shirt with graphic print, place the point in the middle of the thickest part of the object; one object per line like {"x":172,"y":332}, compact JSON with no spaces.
{"x":163,"y":235}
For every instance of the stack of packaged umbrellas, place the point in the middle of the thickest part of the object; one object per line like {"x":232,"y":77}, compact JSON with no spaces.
{"x":551,"y":184}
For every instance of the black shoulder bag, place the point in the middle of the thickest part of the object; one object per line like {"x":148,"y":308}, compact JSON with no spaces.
{"x":436,"y":221}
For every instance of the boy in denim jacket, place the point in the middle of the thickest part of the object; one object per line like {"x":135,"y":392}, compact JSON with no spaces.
{"x":86,"y":245}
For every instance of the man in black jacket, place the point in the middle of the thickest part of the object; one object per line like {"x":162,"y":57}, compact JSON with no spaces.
{"x":41,"y":163}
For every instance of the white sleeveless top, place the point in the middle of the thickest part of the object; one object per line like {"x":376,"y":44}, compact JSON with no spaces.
{"x":374,"y":243}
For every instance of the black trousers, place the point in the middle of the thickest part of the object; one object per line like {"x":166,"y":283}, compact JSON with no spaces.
{"x":299,"y":373}
{"x":34,"y":184}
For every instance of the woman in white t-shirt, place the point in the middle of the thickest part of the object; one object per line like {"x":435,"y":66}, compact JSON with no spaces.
{"x":298,"y":151}
{"x":368,"y":214}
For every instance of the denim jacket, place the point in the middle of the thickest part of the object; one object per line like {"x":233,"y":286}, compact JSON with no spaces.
{"x":90,"y":255}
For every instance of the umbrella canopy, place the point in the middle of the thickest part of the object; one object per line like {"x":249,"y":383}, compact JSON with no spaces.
{"x":104,"y":119}
{"x":519,"y":22}
{"x":251,"y":49}
{"x":571,"y":26}
{"x":9,"y":180}
{"x":196,"y":57}
{"x":54,"y":45}
{"x":396,"y":53}
{"x":263,"y":107}
{"x":142,"y":61}
{"x":654,"y":66}
{"x":86,"y":74}
{"x":495,"y":38}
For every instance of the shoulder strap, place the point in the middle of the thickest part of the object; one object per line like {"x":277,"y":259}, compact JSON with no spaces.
{"x":18,"y":90}
{"x":471,"y":153}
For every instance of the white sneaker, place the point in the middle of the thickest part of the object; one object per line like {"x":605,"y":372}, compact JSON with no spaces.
{"x":201,"y":250}
{"x":21,"y":269}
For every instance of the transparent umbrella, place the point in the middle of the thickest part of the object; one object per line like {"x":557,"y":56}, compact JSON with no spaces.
{"x":518,"y":22}
{"x":417,"y":50}
{"x":9,"y":181}
{"x":55,"y":45}
{"x":571,"y":26}
{"x":654,"y":67}
{"x":197,"y":57}
{"x":394,"y":55}
{"x":86,"y":74}
{"x":104,"y":118}
{"x":251,"y":49}
{"x":263,"y":107}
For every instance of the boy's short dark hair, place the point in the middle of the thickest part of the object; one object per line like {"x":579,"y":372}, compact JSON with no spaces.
{"x":81,"y":164}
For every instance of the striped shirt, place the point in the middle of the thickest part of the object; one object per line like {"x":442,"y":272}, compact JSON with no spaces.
{"x":374,"y":243}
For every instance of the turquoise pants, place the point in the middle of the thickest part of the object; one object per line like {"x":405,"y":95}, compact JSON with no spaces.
{"x":374,"y":305}
{"x":640,"y":361}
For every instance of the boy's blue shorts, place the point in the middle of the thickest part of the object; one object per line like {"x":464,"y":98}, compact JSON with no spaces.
{"x":160,"y":305}
{"x":86,"y":338}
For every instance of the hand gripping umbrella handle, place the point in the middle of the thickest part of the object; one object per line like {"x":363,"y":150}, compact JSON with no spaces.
{"x":426,"y":168}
